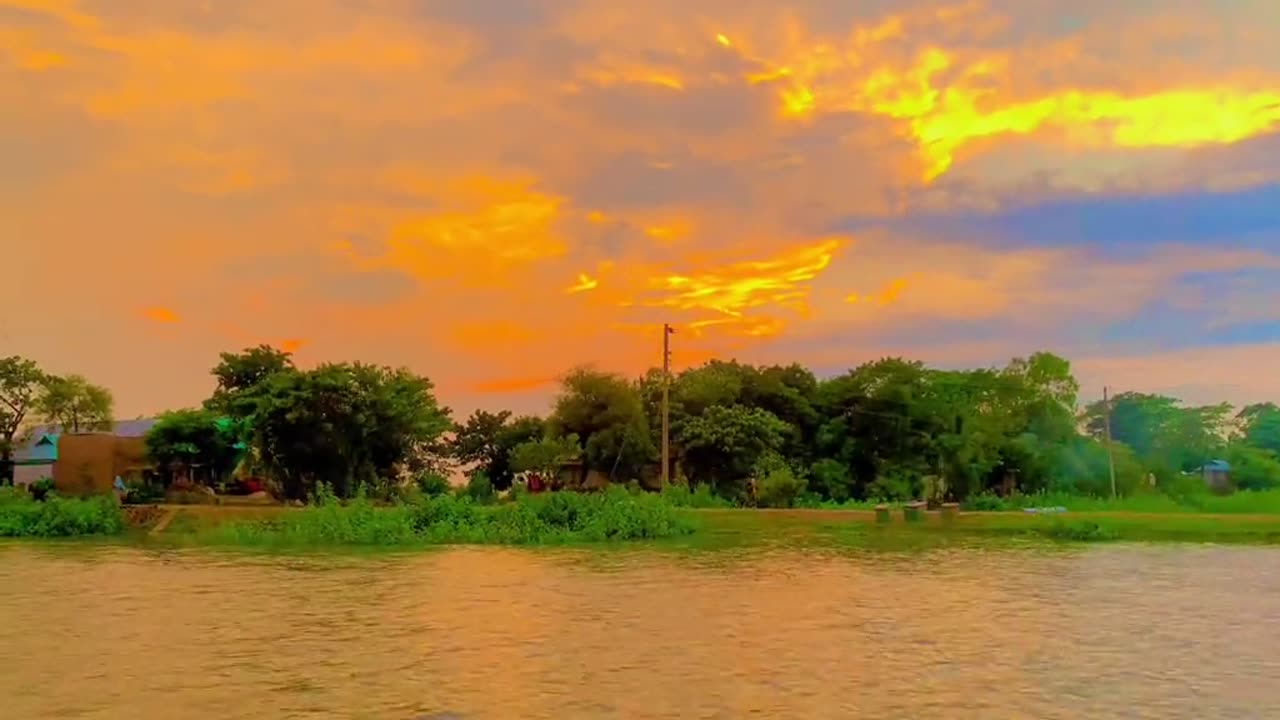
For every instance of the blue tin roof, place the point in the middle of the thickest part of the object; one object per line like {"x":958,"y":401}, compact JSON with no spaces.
{"x":41,"y":443}
{"x":1217,"y":466}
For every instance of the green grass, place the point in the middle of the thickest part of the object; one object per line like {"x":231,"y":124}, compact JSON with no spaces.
{"x":22,"y":516}
{"x":548,"y":518}
{"x":735,"y":528}
{"x":1262,"y":502}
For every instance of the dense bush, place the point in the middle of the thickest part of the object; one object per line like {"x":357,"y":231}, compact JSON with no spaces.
{"x":779,"y":488}
{"x":23,"y":516}
{"x":702,"y":496}
{"x":432,"y":484}
{"x":527,"y":519}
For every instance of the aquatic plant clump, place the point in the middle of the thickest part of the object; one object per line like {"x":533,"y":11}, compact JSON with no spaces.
{"x":21,"y":515}
{"x":560,"y":517}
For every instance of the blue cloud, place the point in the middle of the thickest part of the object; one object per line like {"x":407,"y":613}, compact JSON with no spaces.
{"x":1120,"y":225}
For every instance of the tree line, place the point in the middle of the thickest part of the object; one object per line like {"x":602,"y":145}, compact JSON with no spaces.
{"x":770,"y":435}
{"x":30,"y":395}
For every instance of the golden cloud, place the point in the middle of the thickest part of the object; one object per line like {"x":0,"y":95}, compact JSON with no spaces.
{"x":566,"y":186}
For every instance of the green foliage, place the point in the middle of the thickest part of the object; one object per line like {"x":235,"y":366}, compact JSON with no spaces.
{"x":75,"y":404}
{"x":831,"y":480}
{"x":21,"y":381}
{"x":23,"y":516}
{"x":607,"y":415}
{"x":347,"y":425}
{"x":779,"y":487}
{"x":42,"y":488}
{"x":480,"y":488}
{"x":1259,"y":426}
{"x":558,"y":517}
{"x":544,"y":456}
{"x":723,"y":444}
{"x":487,"y":440}
{"x":432,"y":484}
{"x":243,"y":377}
{"x":701,"y":496}
{"x":1253,"y":468}
{"x":1080,"y":531}
{"x":1160,"y":430}
{"x":184,"y":439}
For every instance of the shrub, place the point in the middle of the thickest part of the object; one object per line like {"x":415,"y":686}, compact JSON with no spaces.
{"x":480,"y":488}
{"x":779,"y":488}
{"x":23,"y":516}
{"x":432,"y":484}
{"x":40,"y":489}
{"x":613,"y":515}
{"x":701,"y":496}
{"x":832,"y":480}
{"x":985,"y":502}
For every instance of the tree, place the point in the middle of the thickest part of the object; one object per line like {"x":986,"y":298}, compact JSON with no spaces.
{"x":1252,"y":467}
{"x":183,"y":440}
{"x":242,"y":378}
{"x":21,"y":381}
{"x":486,"y":440}
{"x":346,"y":425}
{"x":1166,"y":435}
{"x":544,"y":456}
{"x":75,"y":404}
{"x":1260,"y":426}
{"x":722,"y":445}
{"x":607,"y":414}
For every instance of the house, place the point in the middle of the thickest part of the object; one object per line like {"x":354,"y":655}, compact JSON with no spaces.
{"x":86,"y":462}
{"x":34,"y":459}
{"x":1217,"y":475}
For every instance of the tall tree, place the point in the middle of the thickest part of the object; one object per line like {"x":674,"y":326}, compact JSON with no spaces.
{"x":347,"y":425}
{"x":183,"y":440}
{"x":21,"y":382}
{"x":723,"y":445}
{"x":242,"y":378}
{"x":487,"y":440}
{"x":75,"y":404}
{"x":1164,"y":433}
{"x":607,"y":414}
{"x":1260,"y":426}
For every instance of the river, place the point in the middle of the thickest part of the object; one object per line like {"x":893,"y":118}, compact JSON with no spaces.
{"x":1103,"y":632}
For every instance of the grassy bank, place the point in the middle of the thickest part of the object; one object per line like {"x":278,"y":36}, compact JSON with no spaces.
{"x":846,"y":528}
{"x":549,"y":518}
{"x":617,"y":515}
{"x":23,"y":516}
{"x":1262,"y":502}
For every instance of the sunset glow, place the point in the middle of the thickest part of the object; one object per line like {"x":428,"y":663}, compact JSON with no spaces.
{"x":493,"y":192}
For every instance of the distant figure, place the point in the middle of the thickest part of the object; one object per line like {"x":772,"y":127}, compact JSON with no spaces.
{"x":120,"y":489}
{"x":1151,"y":479}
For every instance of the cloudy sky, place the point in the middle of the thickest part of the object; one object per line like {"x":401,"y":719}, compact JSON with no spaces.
{"x":492,"y":191}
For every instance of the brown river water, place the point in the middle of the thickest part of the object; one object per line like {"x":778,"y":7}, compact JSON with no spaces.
{"x":1105,"y":632}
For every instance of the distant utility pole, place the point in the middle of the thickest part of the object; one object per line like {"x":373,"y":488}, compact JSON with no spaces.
{"x":1111,"y":457}
{"x":667,"y":330}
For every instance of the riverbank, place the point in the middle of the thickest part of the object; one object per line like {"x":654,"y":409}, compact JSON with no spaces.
{"x":726,"y":528}
{"x":613,"y":517}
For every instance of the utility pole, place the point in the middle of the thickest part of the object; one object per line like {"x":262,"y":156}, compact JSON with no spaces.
{"x":1111,"y":458}
{"x":667,"y":330}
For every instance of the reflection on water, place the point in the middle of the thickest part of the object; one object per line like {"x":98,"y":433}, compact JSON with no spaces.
{"x":1116,"y":632}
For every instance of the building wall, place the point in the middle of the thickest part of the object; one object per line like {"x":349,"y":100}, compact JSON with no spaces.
{"x":24,"y":475}
{"x":88,"y":464}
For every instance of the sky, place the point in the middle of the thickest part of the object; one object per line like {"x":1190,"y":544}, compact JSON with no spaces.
{"x":491,"y":192}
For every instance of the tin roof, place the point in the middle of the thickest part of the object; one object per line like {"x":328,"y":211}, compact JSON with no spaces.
{"x":41,"y":443}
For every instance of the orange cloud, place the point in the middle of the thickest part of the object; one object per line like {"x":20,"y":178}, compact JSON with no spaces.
{"x":486,"y":200}
{"x":585,"y":282}
{"x":160,"y":314}
{"x":488,"y":227}
{"x":512,"y":385}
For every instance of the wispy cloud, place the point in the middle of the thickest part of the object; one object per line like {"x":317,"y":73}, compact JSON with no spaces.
{"x":493,"y":192}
